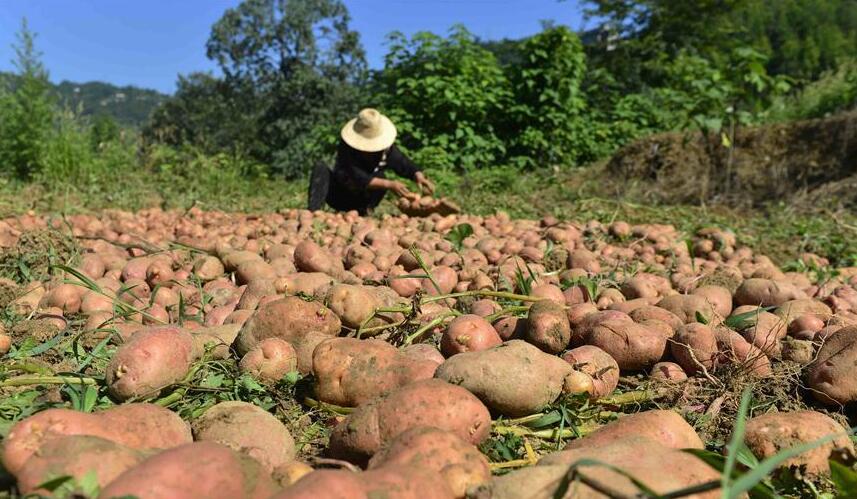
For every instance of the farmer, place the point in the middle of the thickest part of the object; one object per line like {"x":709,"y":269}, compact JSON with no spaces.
{"x":358,"y":180}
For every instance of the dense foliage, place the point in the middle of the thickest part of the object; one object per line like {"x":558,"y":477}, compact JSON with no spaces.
{"x":294,"y":71}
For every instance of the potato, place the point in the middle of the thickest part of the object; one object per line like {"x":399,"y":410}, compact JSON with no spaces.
{"x":445,"y":277}
{"x":388,"y":482}
{"x":514,"y":378}
{"x":247,"y":429}
{"x":269,"y":360}
{"x":353,"y":304}
{"x":548,"y":327}
{"x":691,"y":308}
{"x":152,"y":359}
{"x":830,"y":377}
{"x":771,"y":433}
{"x":634,"y":346}
{"x":765,"y":331}
{"x":66,"y":297}
{"x":459,"y":463}
{"x":637,"y":456}
{"x":548,"y":292}
{"x":199,"y":469}
{"x":291,"y":472}
{"x":423,"y":351}
{"x":510,"y":328}
{"x":668,"y":371}
{"x":734,"y":349}
{"x":76,"y":456}
{"x":308,"y":283}
{"x":5,"y":343}
{"x":766,"y":293}
{"x":310,"y":257}
{"x":432,"y":402}
{"x":694,"y":347}
{"x":484,"y":307}
{"x":299,"y":322}
{"x":598,"y":364}
{"x":667,"y":428}
{"x":719,"y":297}
{"x":350,"y":372}
{"x":468,"y":333}
{"x":255,"y":271}
{"x":208,"y":268}
{"x":138,"y":426}
{"x":793,"y":309}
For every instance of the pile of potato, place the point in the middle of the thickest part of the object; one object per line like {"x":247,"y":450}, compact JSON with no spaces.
{"x":429,"y":339}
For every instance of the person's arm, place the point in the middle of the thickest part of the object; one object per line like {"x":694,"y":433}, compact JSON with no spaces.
{"x":404,"y":167}
{"x":398,"y":188}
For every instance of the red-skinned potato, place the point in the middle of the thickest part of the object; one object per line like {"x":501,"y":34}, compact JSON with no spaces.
{"x":430,"y":402}
{"x":694,"y":347}
{"x":247,"y":429}
{"x":152,"y":359}
{"x":514,"y":378}
{"x":303,"y":324}
{"x":76,"y":456}
{"x":548,"y":327}
{"x":310,"y":257}
{"x":634,"y":346}
{"x":349,"y":372}
{"x":719,"y":297}
{"x":138,"y":426}
{"x":392,"y":482}
{"x":771,"y":433}
{"x":829,"y":376}
{"x":199,"y":469}
{"x":765,"y":293}
{"x":269,"y":360}
{"x":598,"y":364}
{"x":354,"y":305}
{"x":667,"y":428}
{"x":459,"y":463}
{"x":468,"y":333}
{"x":668,"y":371}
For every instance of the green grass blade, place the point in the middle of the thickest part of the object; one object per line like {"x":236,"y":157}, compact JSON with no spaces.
{"x":736,"y":442}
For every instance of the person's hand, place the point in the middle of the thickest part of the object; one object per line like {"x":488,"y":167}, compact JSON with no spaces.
{"x":400,"y":189}
{"x":426,"y":185}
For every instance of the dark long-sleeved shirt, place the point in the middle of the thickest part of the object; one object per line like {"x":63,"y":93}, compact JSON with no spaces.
{"x":355,"y":169}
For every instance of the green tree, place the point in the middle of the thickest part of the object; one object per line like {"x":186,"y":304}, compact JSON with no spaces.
{"x":447,"y":97}
{"x":546,"y":118}
{"x":27,"y":111}
{"x":292,"y":68}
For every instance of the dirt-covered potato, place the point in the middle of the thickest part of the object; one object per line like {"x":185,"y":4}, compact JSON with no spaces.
{"x":598,"y":364}
{"x":766,"y":293}
{"x":735,"y":350}
{"x":354,"y":305}
{"x":350,"y":372}
{"x":392,"y":482}
{"x":459,"y":463}
{"x":303,"y":324}
{"x":668,"y":371}
{"x":199,"y":469}
{"x":771,"y":433}
{"x":634,"y":346}
{"x":691,"y":308}
{"x":548,"y":327}
{"x":149,"y":361}
{"x":667,"y":428}
{"x":637,"y":456}
{"x":310,"y":257}
{"x":76,"y":456}
{"x":514,"y":378}
{"x":269,"y":360}
{"x":694,"y":347}
{"x":432,"y":402}
{"x":468,"y":333}
{"x":247,"y":429}
{"x":137,"y":426}
{"x":830,"y":377}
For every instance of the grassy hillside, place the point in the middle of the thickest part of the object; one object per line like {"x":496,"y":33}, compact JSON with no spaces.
{"x":128,"y":105}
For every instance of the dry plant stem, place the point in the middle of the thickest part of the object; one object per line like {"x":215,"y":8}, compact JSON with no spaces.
{"x":506,"y":311}
{"x":336,"y":462}
{"x":635,"y":397}
{"x":324,"y":406}
{"x":47,"y":380}
{"x":516,"y":463}
{"x":483,"y":293}
{"x":545,"y":434}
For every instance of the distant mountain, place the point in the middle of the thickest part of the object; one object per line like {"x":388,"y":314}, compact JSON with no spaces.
{"x":128,"y":105}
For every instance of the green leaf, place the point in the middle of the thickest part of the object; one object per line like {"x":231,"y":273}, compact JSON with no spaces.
{"x":844,"y":478}
{"x":458,"y":234}
{"x":55,"y":483}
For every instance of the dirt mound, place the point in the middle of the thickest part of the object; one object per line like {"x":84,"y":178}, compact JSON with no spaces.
{"x":809,"y":162}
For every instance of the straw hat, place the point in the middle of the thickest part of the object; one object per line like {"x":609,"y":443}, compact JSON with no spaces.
{"x":370,"y":131}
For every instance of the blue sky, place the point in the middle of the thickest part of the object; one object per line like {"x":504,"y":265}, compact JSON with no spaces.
{"x":147,"y":43}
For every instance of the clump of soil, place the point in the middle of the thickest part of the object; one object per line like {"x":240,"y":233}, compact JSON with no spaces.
{"x":35,"y":253}
{"x":806,"y":161}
